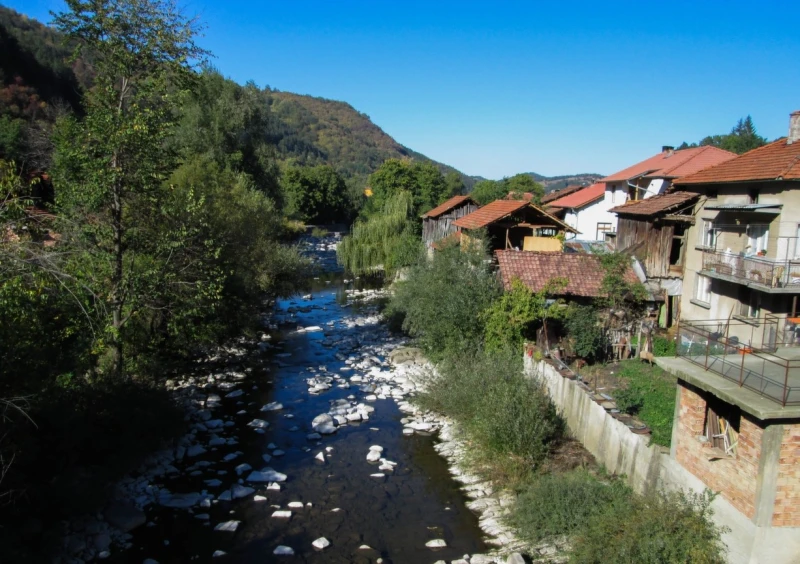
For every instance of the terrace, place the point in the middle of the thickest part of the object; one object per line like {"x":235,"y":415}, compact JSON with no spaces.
{"x":763,"y":358}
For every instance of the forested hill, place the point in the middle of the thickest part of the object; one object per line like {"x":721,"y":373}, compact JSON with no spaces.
{"x":552,"y":183}
{"x":304,"y":130}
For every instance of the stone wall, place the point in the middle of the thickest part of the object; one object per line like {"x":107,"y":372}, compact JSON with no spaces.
{"x":648,"y":466}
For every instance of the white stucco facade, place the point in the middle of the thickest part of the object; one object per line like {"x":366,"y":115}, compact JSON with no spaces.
{"x":592,"y":220}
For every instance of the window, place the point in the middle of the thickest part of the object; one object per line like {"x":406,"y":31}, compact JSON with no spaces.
{"x":749,"y":303}
{"x":722,"y":426}
{"x":702,"y":289}
{"x":708,"y":233}
{"x":713,"y":194}
{"x":753,"y":196}
{"x":757,"y":239}
{"x":602,"y":229}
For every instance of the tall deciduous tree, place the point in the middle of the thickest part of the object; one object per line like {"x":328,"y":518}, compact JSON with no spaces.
{"x":315,"y":194}
{"x":112,"y":163}
{"x":423,"y":181}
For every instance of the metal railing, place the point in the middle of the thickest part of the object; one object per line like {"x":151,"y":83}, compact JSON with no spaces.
{"x":771,"y":370}
{"x":761,"y":270}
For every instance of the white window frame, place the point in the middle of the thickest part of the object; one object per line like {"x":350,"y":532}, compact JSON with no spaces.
{"x":702,"y":289}
{"x":603,"y":231}
{"x":708,"y":234}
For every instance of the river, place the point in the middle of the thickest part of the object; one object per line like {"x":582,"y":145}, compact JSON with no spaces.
{"x":341,"y":498}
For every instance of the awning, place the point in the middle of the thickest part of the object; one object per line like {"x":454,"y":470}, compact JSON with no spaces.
{"x":760,"y":208}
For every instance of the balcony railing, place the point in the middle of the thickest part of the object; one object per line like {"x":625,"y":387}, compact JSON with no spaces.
{"x":753,"y":269}
{"x":726,"y":347}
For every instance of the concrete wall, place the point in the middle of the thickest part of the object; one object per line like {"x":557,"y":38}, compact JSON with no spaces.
{"x":650,"y":466}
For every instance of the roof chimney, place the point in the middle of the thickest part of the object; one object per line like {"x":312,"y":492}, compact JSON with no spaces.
{"x":794,"y":127}
{"x":667,"y":149}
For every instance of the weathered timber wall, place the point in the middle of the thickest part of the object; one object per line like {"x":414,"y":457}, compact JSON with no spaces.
{"x":655,"y":242}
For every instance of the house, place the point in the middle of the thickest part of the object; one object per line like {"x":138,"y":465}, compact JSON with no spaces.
{"x":512,"y":224}
{"x":737,"y":427}
{"x":586,"y":210}
{"x":655,"y":175}
{"x":654,"y":232}
{"x":438,"y":223}
{"x":582,"y":271}
{"x":743,"y":262}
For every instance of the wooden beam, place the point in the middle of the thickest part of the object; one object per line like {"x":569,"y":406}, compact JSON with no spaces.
{"x":678,"y":217}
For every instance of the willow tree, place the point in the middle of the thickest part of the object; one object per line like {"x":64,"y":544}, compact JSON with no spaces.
{"x":386,"y":241}
{"x":110,"y":166}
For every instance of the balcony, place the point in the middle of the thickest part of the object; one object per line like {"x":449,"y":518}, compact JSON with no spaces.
{"x":760,"y":273}
{"x":763,"y":359}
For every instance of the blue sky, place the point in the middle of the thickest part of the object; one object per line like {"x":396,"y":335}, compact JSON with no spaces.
{"x":497,"y":88}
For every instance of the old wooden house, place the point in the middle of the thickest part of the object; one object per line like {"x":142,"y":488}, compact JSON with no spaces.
{"x":515,"y":224}
{"x":653,"y":230}
{"x":439,"y":222}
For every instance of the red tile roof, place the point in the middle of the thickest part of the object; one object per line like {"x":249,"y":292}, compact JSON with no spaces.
{"x":673,"y":164}
{"x":581,"y":198}
{"x":655,"y":205}
{"x":556,"y":194}
{"x":774,"y":161}
{"x":448,"y":205}
{"x":497,"y":210}
{"x":583,"y":271}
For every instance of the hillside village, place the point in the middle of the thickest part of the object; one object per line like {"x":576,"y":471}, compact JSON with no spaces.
{"x":240,"y":324}
{"x":713,"y":238}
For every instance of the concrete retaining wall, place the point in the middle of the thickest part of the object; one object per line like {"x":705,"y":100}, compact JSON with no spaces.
{"x":626,"y":453}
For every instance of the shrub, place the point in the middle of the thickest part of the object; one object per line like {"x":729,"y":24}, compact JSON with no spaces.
{"x":663,"y":346}
{"x":504,"y":413}
{"x":553,"y":505}
{"x":442,"y":300}
{"x":319,"y":232}
{"x":584,"y":332}
{"x":659,"y":528}
{"x":650,"y":395}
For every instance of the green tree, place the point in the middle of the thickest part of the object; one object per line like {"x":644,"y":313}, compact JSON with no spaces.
{"x":315,"y":194}
{"x":455,"y":184}
{"x":510,"y":318}
{"x":487,"y":191}
{"x":422,"y":180}
{"x":112,"y":164}
{"x":383,"y":241}
{"x":520,"y":184}
{"x":742,"y":138}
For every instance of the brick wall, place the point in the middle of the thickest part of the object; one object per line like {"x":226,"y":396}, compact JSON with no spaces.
{"x":787,"y":499}
{"x":735,"y":478}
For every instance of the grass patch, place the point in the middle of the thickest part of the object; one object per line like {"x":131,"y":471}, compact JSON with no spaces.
{"x":319,"y":232}
{"x":649,"y":394}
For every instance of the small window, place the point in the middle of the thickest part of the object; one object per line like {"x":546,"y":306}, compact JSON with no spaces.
{"x":702,"y":289}
{"x":749,"y":303}
{"x":722,"y":427}
{"x":602,"y":229}
{"x":753,"y":196}
{"x":713,"y":194}
{"x":708,"y":233}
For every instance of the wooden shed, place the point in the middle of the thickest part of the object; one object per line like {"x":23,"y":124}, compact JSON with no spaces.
{"x":439,"y":222}
{"x":515,"y":224}
{"x":654,"y":231}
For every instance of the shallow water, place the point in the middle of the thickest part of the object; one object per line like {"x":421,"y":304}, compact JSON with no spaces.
{"x":395,"y":515}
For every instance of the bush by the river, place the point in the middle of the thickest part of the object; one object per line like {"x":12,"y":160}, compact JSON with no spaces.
{"x":607,"y":522}
{"x":505,"y":414}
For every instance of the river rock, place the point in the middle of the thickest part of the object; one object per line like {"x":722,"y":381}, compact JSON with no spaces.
{"x":321,"y":543}
{"x":124,"y":516}
{"x":272,"y":406}
{"x":282,"y":514}
{"x":436,"y":543}
{"x":266,"y":475}
{"x":373,"y":456}
{"x":258,"y":424}
{"x":283,"y":551}
{"x":515,"y":558}
{"x":227,"y":526}
{"x":180,"y":501}
{"x":238,"y":492}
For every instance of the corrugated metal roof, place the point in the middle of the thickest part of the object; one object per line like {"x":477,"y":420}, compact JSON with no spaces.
{"x":743,"y":207}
